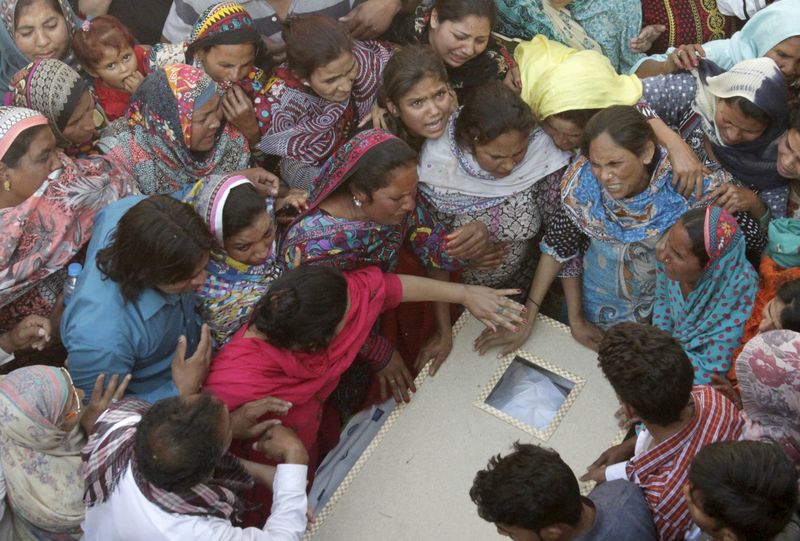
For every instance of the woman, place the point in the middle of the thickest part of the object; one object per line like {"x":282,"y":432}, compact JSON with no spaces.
{"x":175,"y":132}
{"x":62,"y":95}
{"x":495,"y":167}
{"x":48,"y":204}
{"x":44,"y":426}
{"x":618,"y":199}
{"x":768,"y":369}
{"x":601,"y":26}
{"x":225,"y":44}
{"x":772,"y":32}
{"x":314,"y":102}
{"x":733,"y":120}
{"x":308,"y":330}
{"x":242,"y":266}
{"x":416,"y":94}
{"x":32,"y":30}
{"x":362,"y":209}
{"x":705,"y":288}
{"x":565,"y":87}
{"x":459,"y":32}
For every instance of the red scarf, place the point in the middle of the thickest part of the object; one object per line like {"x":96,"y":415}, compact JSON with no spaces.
{"x":113,"y":100}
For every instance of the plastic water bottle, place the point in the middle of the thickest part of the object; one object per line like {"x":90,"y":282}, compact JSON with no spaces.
{"x":73,"y":270}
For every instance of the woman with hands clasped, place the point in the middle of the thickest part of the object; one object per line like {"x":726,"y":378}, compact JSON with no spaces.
{"x":44,"y":426}
{"x":309,"y":328}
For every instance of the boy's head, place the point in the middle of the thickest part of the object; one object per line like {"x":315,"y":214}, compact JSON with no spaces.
{"x":741,"y":490}
{"x":648,"y":370}
{"x":530,"y":494}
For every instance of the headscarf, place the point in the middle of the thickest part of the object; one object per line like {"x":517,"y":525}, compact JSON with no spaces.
{"x":12,"y":60}
{"x":557,"y":78}
{"x":759,"y":81}
{"x":40,"y":461}
{"x":527,"y":18}
{"x":783,"y":245}
{"x":351,"y":244}
{"x":709,"y":322}
{"x":111,"y":448}
{"x":54,"y":89}
{"x":766,"y":29}
{"x":635,"y":218}
{"x":225,"y":23}
{"x":769,"y":380}
{"x":452,"y":180}
{"x":160,"y":119}
{"x":232,"y":288}
{"x":44,"y":232}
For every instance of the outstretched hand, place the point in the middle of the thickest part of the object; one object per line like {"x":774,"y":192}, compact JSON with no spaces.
{"x":244,"y":420}
{"x":189,"y":374}
{"x":493,"y":308}
{"x":102,"y":397}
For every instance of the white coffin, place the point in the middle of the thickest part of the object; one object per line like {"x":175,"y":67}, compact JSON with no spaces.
{"x":412,"y":482}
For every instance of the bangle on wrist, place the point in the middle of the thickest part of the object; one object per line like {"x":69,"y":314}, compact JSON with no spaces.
{"x":539,"y":306}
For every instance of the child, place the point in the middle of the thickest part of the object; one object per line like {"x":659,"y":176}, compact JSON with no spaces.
{"x":108,"y":52}
{"x":741,"y":490}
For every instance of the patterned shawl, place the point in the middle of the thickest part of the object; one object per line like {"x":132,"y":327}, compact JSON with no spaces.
{"x":54,"y":89}
{"x":44,"y":232}
{"x":761,"y":82}
{"x":709,"y":322}
{"x":632,"y":219}
{"x":232,"y":288}
{"x":156,"y":146}
{"x":324,"y":239}
{"x":111,"y":449}
{"x":40,"y":461}
{"x":298,"y":124}
{"x":12,"y":59}
{"x":769,"y":380}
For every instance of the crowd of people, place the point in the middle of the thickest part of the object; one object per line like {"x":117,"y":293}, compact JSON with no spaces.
{"x":227,"y":227}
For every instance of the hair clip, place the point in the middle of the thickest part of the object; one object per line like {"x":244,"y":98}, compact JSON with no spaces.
{"x":87,"y":24}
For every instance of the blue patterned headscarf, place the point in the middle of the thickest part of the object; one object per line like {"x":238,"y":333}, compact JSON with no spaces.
{"x":710,"y":321}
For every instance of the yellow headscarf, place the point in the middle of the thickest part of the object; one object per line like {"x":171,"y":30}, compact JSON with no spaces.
{"x":556,"y":78}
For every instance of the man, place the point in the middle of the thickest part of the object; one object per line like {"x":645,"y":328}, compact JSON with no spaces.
{"x":652,"y":377}
{"x":133,"y":309}
{"x":532,"y":495}
{"x":162,"y":472}
{"x":365,"y":19}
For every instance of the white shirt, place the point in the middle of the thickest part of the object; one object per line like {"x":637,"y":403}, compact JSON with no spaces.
{"x":644,"y":441}
{"x":128,"y":515}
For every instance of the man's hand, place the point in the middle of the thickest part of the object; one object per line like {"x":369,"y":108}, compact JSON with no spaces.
{"x":397,"y":378}
{"x":189,"y":374}
{"x":244,"y":421}
{"x":371,"y":19}
{"x":282,"y":445}
{"x":102,"y":397}
{"x":32,"y":332}
{"x":265,"y":183}
{"x":614,"y":454}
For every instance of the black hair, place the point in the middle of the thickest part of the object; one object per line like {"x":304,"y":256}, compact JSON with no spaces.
{"x":491,"y":110}
{"x":627,"y":127}
{"x":375,"y":168}
{"x":694,"y":221}
{"x":179,"y":442}
{"x":302,"y":308}
{"x":531,"y":488}
{"x":158,"y":241}
{"x":456,"y":10}
{"x":789,"y":294}
{"x":242,"y":207}
{"x":407,"y":67}
{"x":21,"y":145}
{"x":749,"y":109}
{"x":794,"y":119}
{"x":579,"y":117}
{"x":648,"y":369}
{"x":313,"y":41}
{"x":747,"y":486}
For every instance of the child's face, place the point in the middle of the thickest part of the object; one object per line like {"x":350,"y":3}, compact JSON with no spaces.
{"x":252,"y":245}
{"x":115,"y":67}
{"x":229,"y":63}
{"x":703,"y":521}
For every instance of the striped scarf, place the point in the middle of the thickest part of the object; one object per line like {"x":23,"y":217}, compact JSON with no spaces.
{"x":111,"y":449}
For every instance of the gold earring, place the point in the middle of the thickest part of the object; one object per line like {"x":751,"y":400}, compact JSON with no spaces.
{"x":357,"y":202}
{"x":7,"y":185}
